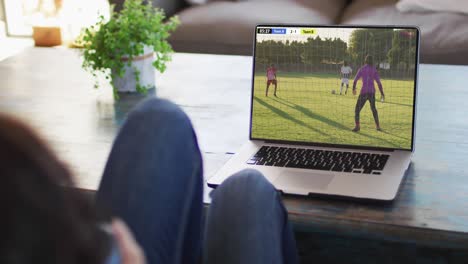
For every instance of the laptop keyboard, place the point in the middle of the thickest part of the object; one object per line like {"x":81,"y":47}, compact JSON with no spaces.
{"x":327,"y":160}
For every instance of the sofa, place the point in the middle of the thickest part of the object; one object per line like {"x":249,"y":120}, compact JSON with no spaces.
{"x":226,"y":27}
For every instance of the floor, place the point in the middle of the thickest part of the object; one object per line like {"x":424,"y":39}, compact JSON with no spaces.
{"x":333,"y":249}
{"x":11,"y":46}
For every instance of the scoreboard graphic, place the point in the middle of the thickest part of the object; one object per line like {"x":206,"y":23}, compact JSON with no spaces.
{"x":287,"y":31}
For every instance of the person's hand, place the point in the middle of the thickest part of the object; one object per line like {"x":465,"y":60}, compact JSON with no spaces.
{"x":382,"y":98}
{"x":130,"y":251}
{"x":354,"y":91}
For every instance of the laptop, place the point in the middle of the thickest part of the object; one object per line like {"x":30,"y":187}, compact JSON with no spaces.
{"x":332,"y":110}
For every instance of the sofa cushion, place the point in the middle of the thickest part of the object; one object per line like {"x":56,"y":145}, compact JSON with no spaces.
{"x":444,"y":36}
{"x":202,"y":2}
{"x":228,"y":27}
{"x":456,"y":6}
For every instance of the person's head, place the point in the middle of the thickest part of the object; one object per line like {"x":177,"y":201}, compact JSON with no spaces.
{"x":40,"y":221}
{"x":345,"y":63}
{"x":272,"y":65}
{"x":369,"y":60}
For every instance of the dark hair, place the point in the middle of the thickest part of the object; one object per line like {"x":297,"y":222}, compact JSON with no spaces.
{"x":369,"y":60}
{"x":345,"y":63}
{"x":41,"y":222}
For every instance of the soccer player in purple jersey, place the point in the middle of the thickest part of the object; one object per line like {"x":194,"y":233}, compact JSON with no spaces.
{"x":368,"y":73}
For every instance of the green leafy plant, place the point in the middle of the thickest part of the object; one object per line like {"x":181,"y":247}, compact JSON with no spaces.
{"x":109,"y":47}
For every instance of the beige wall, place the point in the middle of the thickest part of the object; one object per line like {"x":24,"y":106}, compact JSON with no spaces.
{"x":169,"y":6}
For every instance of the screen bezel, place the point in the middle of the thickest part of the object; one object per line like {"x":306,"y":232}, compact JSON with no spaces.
{"x":321,"y":144}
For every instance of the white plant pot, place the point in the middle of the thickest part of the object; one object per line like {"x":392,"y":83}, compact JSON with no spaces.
{"x":144,"y":64}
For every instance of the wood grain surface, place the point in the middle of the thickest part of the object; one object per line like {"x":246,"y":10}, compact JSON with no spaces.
{"x":47,"y":88}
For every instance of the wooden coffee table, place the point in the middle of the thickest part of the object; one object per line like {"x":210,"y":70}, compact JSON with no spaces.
{"x":47,"y":88}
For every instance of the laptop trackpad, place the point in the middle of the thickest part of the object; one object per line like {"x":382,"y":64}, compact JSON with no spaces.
{"x":302,"y":182}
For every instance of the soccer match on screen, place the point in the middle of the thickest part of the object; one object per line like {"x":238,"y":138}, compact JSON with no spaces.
{"x":343,"y":86}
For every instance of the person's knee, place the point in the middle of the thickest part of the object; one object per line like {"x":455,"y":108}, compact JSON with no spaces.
{"x":247,"y":176}
{"x":161,"y":110}
{"x":245,"y":198}
{"x":246,"y":183}
{"x":155,"y":105}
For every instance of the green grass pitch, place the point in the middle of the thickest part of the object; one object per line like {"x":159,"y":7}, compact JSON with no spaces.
{"x":306,"y":110}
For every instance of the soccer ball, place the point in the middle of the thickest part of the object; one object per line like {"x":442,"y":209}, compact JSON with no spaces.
{"x":333,"y":91}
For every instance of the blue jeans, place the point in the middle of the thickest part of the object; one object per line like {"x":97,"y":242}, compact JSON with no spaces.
{"x":153,"y":180}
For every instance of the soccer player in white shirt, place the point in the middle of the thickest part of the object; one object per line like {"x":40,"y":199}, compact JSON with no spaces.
{"x":345,"y":75}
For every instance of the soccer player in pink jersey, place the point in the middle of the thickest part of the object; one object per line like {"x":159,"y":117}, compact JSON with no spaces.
{"x":368,"y":73}
{"x":271,"y":78}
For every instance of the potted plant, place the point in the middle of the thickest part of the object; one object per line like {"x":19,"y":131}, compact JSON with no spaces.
{"x":129,"y":47}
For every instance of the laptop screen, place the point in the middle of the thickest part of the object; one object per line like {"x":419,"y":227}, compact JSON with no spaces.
{"x":341,"y":86}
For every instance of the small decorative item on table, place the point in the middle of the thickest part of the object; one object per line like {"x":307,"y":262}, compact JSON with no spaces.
{"x":46,"y":23}
{"x":47,"y":36}
{"x":129,"y":47}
